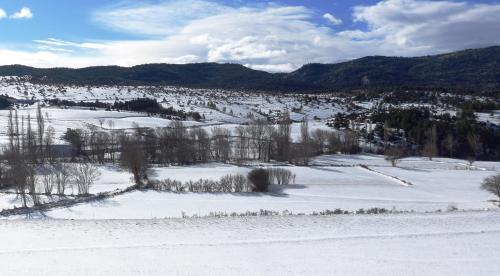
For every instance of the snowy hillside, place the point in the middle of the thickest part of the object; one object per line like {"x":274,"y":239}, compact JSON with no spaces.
{"x":340,"y":206}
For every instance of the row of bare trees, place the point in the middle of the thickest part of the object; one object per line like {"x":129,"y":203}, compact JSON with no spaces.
{"x":30,"y":161}
{"x":30,"y":165}
{"x":178,"y":144}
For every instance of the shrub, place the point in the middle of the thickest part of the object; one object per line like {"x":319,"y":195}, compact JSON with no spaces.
{"x":233,"y":183}
{"x":281,"y":176}
{"x":227,"y":184}
{"x":492,"y":185}
{"x":260,"y":180}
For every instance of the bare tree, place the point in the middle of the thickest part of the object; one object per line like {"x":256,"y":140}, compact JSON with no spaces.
{"x":31,"y":180}
{"x":492,"y":185}
{"x":475,"y":145}
{"x":305,"y":142}
{"x":283,"y":139}
{"x":387,"y":132}
{"x":334,"y":142}
{"x":85,"y":174}
{"x":394,"y":154}
{"x":319,"y":140}
{"x":18,"y":175}
{"x":135,"y":159}
{"x":259,"y":132}
{"x":41,"y":129}
{"x":242,"y":143}
{"x":449,"y":144}
{"x":62,"y":173}
{"x":11,"y":131}
{"x":48,"y":178}
{"x":221,"y":145}
{"x":430,"y":148}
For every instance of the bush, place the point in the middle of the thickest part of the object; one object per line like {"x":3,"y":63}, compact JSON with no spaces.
{"x":260,"y":180}
{"x":281,"y":176}
{"x":227,"y":184}
{"x":233,"y":183}
{"x":492,"y":185}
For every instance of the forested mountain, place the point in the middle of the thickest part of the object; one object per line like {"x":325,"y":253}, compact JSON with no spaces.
{"x":470,"y":69}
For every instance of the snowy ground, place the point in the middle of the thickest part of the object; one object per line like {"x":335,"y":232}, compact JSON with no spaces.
{"x":111,"y":178}
{"x":461,"y":243}
{"x":142,"y":232}
{"x":436,"y":185}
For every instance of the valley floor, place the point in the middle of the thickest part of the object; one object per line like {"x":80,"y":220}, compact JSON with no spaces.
{"x":456,"y":243}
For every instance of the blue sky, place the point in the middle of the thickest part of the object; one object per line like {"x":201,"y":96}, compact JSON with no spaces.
{"x":274,"y":35}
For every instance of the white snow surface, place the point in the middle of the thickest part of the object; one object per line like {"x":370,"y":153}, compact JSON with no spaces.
{"x":317,"y":188}
{"x":459,"y":243}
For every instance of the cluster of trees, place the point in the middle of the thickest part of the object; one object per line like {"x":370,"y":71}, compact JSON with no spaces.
{"x":30,"y":165}
{"x":5,"y":102}
{"x":151,"y":106}
{"x":257,"y":180}
{"x":146,"y":105}
{"x":492,"y":184}
{"x":417,"y":131}
{"x":178,"y":144}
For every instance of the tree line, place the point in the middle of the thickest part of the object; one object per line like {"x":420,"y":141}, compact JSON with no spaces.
{"x":29,"y":159}
{"x":180,"y":145}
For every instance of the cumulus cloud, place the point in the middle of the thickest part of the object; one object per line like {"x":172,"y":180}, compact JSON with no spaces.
{"x":332,"y":19}
{"x":410,"y":27}
{"x":24,"y":13}
{"x":272,"y":38}
{"x":161,"y":18}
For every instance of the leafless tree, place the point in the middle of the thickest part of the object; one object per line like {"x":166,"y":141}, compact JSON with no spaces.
{"x":62,"y":174}
{"x":85,"y":174}
{"x":242,"y":143}
{"x":449,"y":144}
{"x":475,"y":145}
{"x":334,"y":142}
{"x":492,"y":185}
{"x":41,"y":129}
{"x":221,"y":146}
{"x":48,"y":178}
{"x":259,"y":132}
{"x":202,"y":147}
{"x":430,"y":148}
{"x":49,"y":141}
{"x":394,"y":154}
{"x":281,"y":176}
{"x":135,"y":159}
{"x":319,"y":140}
{"x":283,"y":139}
{"x":305,"y":142}
{"x":31,"y":180}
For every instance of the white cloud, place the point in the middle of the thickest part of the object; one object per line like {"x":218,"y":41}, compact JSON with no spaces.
{"x":24,"y":13}
{"x":68,"y":44}
{"x":181,"y":59}
{"x":3,"y":14}
{"x":273,"y":38}
{"x":286,"y":67}
{"x":410,"y":27}
{"x":162,"y":18}
{"x":332,"y":19}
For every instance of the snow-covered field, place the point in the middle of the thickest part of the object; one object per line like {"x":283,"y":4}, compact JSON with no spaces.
{"x":147,"y":232}
{"x":435,"y":185}
{"x":460,"y":243}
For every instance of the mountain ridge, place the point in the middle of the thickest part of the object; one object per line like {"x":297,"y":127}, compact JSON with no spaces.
{"x":476,"y":69}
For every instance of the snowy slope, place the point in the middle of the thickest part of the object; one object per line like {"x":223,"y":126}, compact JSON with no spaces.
{"x":316,"y":188}
{"x":424,"y":244}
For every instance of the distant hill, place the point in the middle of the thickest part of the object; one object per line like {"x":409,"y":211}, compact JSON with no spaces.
{"x":469,"y":69}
